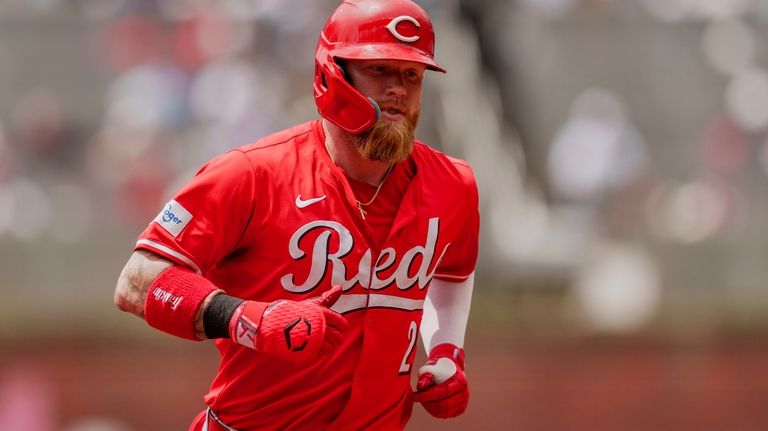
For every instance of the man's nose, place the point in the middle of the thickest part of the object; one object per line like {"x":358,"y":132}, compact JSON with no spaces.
{"x":395,"y":87}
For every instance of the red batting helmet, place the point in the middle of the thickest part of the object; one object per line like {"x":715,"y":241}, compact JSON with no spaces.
{"x":367,"y":30}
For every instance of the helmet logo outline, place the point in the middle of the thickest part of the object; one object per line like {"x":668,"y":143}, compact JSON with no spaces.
{"x":392,"y":27}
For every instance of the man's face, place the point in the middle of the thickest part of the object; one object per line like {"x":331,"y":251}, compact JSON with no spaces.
{"x":396,"y":86}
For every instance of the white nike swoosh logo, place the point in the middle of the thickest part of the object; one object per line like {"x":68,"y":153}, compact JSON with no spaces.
{"x":301,"y":203}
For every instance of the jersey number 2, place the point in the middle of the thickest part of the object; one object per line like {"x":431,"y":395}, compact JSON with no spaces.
{"x":413,"y":330}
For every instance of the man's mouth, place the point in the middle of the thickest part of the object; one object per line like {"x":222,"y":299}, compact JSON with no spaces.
{"x":392,"y":113}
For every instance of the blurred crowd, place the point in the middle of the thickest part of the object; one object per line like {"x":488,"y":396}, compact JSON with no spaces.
{"x":179,"y":82}
{"x":611,"y":139}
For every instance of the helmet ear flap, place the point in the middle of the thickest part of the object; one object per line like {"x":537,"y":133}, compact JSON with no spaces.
{"x":324,"y":83}
{"x":323,"y":80}
{"x":343,"y":70}
{"x":341,"y":103}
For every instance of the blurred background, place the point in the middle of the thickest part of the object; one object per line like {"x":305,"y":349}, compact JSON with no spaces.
{"x":620,"y":147}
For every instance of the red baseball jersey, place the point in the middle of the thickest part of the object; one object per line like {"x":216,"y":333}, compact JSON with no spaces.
{"x":278,"y":220}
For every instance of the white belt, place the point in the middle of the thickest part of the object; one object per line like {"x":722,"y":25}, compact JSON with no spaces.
{"x":213,"y":423}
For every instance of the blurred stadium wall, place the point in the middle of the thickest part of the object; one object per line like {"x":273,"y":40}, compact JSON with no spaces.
{"x":620,"y":148}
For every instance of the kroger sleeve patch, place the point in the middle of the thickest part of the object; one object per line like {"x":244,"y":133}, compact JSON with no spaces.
{"x":173,"y":218}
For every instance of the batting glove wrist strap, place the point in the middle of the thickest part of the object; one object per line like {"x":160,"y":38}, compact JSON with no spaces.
{"x":442,"y":388}
{"x":450,"y":351}
{"x":295,"y":330}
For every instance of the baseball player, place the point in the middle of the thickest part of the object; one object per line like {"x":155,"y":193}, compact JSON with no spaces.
{"x":316,"y":256}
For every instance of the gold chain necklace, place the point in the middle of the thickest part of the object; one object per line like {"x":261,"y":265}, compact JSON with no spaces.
{"x":360,"y":205}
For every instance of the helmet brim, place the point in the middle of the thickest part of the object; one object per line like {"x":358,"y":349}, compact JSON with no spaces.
{"x":385,"y":51}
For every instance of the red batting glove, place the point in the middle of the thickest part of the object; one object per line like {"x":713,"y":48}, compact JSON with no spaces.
{"x":295,"y":330}
{"x":442,"y":387}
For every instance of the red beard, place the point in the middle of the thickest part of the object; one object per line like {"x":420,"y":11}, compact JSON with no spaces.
{"x":388,"y":141}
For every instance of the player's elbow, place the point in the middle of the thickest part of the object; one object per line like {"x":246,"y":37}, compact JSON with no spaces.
{"x":120,"y":298}
{"x":125,"y":298}
{"x":130,"y":290}
{"x":121,"y":302}
{"x":135,"y":280}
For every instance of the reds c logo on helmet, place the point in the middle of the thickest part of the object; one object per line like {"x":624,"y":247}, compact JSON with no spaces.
{"x":367,"y":30}
{"x":392,"y":27}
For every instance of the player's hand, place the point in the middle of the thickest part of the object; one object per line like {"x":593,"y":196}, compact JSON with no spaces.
{"x":442,"y":387}
{"x":295,"y":330}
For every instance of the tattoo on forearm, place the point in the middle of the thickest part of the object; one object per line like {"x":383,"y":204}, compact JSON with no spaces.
{"x":137,"y":276}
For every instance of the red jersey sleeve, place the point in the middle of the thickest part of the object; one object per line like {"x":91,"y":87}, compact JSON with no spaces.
{"x":460,"y":258}
{"x":205,"y":221}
